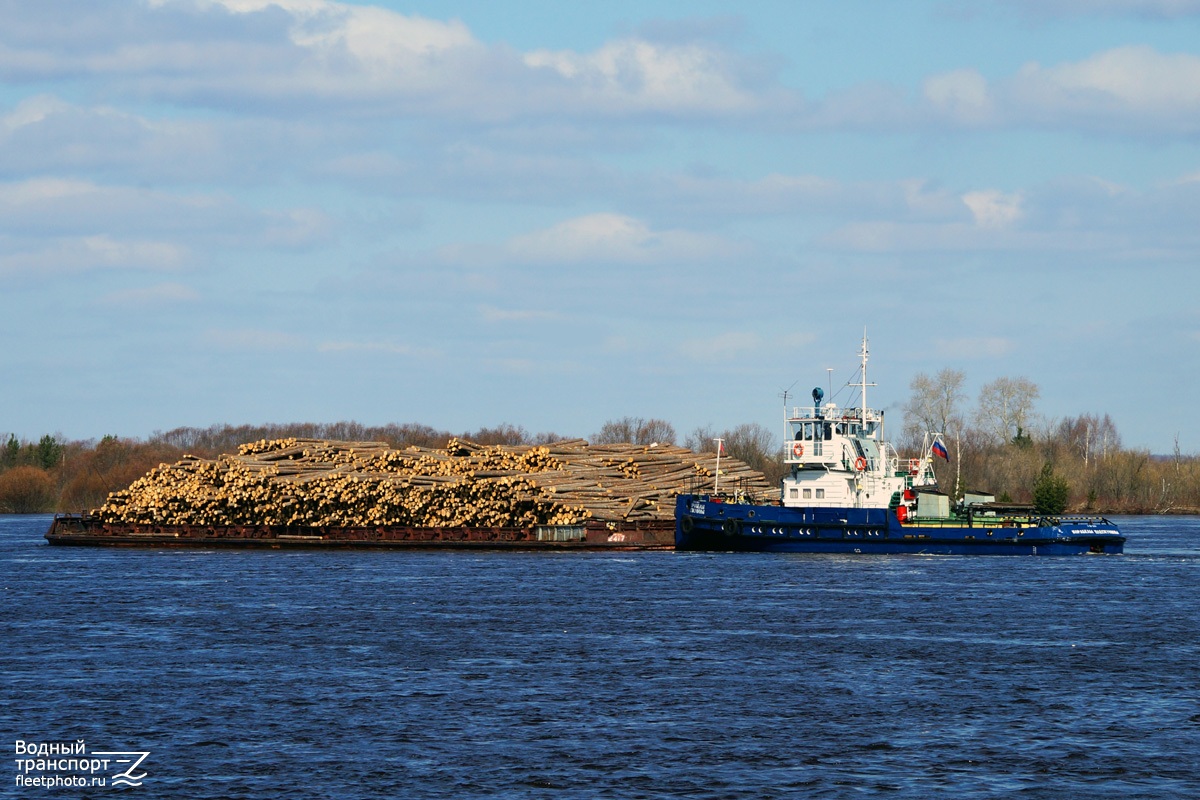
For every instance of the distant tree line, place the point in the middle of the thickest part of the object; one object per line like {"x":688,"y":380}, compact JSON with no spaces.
{"x":1001,"y":445}
{"x":1004,"y":446}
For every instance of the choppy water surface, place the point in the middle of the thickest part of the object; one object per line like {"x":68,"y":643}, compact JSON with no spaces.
{"x":637,"y":675}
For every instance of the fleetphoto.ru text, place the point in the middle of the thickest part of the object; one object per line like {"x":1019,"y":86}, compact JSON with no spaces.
{"x":52,"y":765}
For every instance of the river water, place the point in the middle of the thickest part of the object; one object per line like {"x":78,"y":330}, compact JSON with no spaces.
{"x":305,"y":674}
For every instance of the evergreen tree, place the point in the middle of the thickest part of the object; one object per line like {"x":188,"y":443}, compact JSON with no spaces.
{"x":1050,"y":491}
{"x":49,"y":452}
{"x":10,"y":453}
{"x":1022,"y":439}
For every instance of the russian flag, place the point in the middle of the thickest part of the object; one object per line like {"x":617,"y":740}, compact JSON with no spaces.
{"x":939,"y":449}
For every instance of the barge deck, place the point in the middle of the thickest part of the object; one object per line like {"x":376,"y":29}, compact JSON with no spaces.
{"x":85,"y":530}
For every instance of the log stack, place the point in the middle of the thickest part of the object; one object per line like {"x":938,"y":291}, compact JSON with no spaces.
{"x":316,"y":482}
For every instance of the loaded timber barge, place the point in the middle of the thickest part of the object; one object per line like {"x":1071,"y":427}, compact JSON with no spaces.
{"x":87,"y":530}
{"x":312,"y":493}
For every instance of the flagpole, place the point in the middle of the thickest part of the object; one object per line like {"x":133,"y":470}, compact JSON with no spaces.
{"x":717,"y":477}
{"x":957,"y":463}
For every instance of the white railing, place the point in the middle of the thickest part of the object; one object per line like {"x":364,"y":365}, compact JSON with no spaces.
{"x":830,"y":414}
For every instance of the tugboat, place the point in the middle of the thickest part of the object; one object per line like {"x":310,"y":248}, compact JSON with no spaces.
{"x":850,"y":492}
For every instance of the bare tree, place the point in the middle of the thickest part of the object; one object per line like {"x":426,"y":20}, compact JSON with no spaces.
{"x":1088,"y":436}
{"x":501,"y":434}
{"x":26,"y":490}
{"x":635,"y":430}
{"x":754,"y":444}
{"x":751,"y":443}
{"x":1006,"y":408}
{"x":701,"y":440}
{"x":935,"y":404}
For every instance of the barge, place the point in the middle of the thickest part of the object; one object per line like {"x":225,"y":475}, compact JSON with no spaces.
{"x":88,"y":530}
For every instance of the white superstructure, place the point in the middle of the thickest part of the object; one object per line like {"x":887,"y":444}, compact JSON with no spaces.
{"x":838,"y":456}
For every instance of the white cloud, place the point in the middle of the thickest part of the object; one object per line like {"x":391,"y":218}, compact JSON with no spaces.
{"x":252,"y":339}
{"x":1110,"y":222}
{"x":79,"y":254}
{"x":390,"y":348}
{"x":993,"y":209}
{"x":31,"y":111}
{"x":44,"y":135}
{"x":309,"y":58}
{"x":306,"y":56}
{"x":492,"y":314}
{"x":616,"y":239}
{"x":285,"y":56}
{"x":295,"y":228}
{"x":620,"y":345}
{"x":883,"y":236}
{"x":111,"y":252}
{"x":49,"y":138}
{"x":771,"y":195}
{"x":370,"y":34}
{"x":638,"y":74}
{"x":1165,"y":9}
{"x":157,"y":296}
{"x":1129,"y":89}
{"x":962,"y":95}
{"x":382,"y":39}
{"x":532,"y":367}
{"x":1121,"y":84}
{"x":40,"y":190}
{"x":724,"y":346}
{"x":133,"y":223}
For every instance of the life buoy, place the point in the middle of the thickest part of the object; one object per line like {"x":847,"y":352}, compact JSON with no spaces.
{"x":797,"y":449}
{"x":860,"y":464}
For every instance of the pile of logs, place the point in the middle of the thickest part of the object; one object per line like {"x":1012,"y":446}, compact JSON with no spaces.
{"x":315,"y":482}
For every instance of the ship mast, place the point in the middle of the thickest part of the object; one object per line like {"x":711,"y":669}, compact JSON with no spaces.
{"x":863,"y":384}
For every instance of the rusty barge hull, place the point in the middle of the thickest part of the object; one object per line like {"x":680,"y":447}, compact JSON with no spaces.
{"x":85,"y":531}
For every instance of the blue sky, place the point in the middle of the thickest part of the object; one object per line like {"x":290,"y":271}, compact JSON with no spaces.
{"x":473,"y":213}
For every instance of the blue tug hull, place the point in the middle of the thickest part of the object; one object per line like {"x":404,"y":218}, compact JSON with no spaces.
{"x":707,"y":523}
